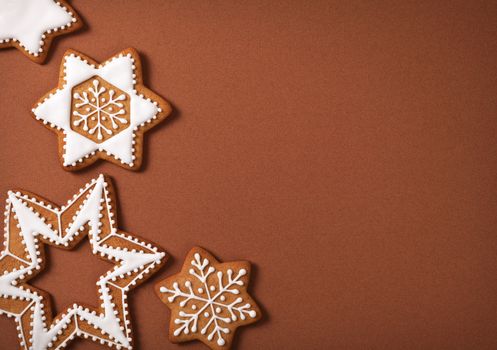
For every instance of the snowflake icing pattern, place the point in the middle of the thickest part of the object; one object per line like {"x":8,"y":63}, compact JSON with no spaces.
{"x":99,"y":109}
{"x":213,"y":304}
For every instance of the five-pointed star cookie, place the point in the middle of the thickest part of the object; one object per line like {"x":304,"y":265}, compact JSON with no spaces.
{"x":101,"y":110}
{"x":30,"y":222}
{"x":208,"y":300}
{"x":30,"y":25}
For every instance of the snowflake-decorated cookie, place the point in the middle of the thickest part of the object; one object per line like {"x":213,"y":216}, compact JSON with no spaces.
{"x":31,"y":222}
{"x":208,"y":300}
{"x":101,"y":110}
{"x":30,"y":25}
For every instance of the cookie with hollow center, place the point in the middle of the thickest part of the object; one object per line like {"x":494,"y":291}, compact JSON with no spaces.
{"x":30,"y":25}
{"x":100,"y":111}
{"x":208,"y":300}
{"x":31,"y":222}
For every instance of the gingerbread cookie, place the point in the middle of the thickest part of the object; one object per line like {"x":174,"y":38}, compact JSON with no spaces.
{"x":30,"y":25}
{"x":208,"y":300}
{"x":101,"y":110}
{"x":31,"y":222}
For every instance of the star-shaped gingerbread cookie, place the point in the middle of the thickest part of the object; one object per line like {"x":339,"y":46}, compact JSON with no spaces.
{"x":208,"y":300}
{"x":31,"y":222}
{"x":101,"y":110}
{"x":30,"y":25}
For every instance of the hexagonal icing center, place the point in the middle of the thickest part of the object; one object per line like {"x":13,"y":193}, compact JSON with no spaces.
{"x":99,"y":110}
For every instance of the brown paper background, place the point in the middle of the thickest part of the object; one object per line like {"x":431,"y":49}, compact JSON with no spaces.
{"x":346,"y":148}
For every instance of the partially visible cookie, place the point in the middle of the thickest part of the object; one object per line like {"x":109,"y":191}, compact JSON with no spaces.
{"x":30,"y":25}
{"x":208,"y":300}
{"x":30,"y":223}
{"x":101,"y":110}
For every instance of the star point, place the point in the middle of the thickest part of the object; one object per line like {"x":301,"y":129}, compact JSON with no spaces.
{"x":31,"y":25}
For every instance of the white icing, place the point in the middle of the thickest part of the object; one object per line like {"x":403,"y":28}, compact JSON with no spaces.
{"x":55,"y":110}
{"x":212,"y":302}
{"x":33,"y":225}
{"x":26,"y":21}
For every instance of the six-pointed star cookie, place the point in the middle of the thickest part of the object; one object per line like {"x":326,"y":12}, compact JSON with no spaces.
{"x":31,"y":221}
{"x":30,"y":25}
{"x":101,"y":110}
{"x":208,"y":300}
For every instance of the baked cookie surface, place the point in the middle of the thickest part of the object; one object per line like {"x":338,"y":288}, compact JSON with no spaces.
{"x":208,"y":300}
{"x":31,"y":222}
{"x":100,"y":111}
